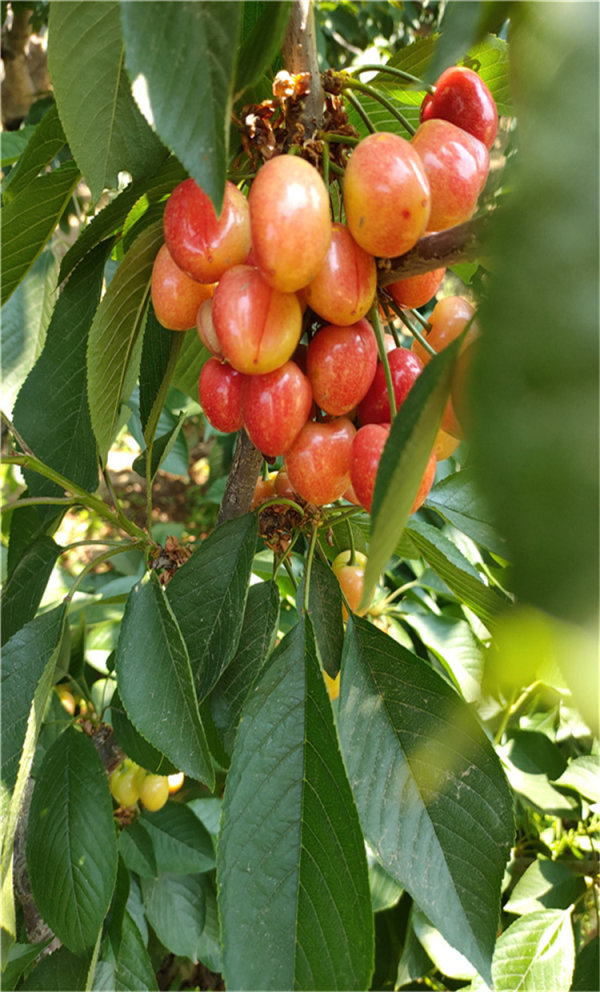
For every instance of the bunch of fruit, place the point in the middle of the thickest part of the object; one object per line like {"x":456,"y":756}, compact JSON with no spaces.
{"x":130,"y":783}
{"x":280,"y":293}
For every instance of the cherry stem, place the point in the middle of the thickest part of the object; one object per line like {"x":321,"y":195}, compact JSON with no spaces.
{"x":385,"y":303}
{"x":393,"y":71}
{"x":413,"y":330}
{"x":375,"y":94}
{"x":326,"y":164}
{"x":374,"y":319}
{"x":422,"y":320}
{"x":92,"y":564}
{"x":282,"y":501}
{"x":352,"y":559}
{"x":309,"y":560}
{"x":360,"y":110}
{"x":329,"y":137}
{"x":290,"y":572}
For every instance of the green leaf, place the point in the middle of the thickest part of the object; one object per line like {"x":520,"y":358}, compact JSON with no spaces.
{"x":156,"y":351}
{"x":530,"y":760}
{"x":414,"y":962}
{"x":456,"y":571}
{"x":63,"y":437}
{"x":192,"y":357}
{"x":208,"y":597}
{"x":106,"y":132}
{"x":134,"y":745}
{"x":125,"y":964}
{"x":209,"y":943}
{"x":29,"y":220}
{"x":182,"y":845}
{"x":535,"y":954}
{"x":429,"y":788}
{"x":113,"y":336}
{"x":325,"y":611}
{"x":137,"y":850}
{"x":545,"y":885}
{"x":257,"y":638}
{"x":110,"y":220}
{"x":160,"y":451}
{"x":291,"y":864}
{"x":151,"y":652}
{"x":587,"y":967}
{"x":59,"y":971}
{"x":45,"y":143}
{"x":538,"y":360}
{"x":14,"y":143}
{"x":25,"y":587}
{"x":19,"y":960}
{"x":263,"y":28}
{"x":446,"y":959}
{"x":176,"y":909}
{"x":455,"y":644}
{"x":458,"y":501}
{"x":404,"y":459}
{"x":25,"y":319}
{"x":71,"y":845}
{"x":583,"y":775}
{"x":176,"y":56}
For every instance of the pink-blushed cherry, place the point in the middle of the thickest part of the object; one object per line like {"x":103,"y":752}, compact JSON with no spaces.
{"x":175,"y":297}
{"x":275,"y":407}
{"x":220,"y":395}
{"x":462,"y":97}
{"x":340,"y":364}
{"x":344,"y":288}
{"x":318,"y":462}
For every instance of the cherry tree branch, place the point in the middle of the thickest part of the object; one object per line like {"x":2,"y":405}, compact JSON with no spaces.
{"x":434,"y":251}
{"x":300,"y":55}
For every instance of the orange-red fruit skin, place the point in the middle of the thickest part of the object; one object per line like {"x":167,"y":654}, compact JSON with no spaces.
{"x":340,"y":364}
{"x":202,"y":244}
{"x":456,"y":165}
{"x":275,"y":407}
{"x":290,"y":222}
{"x":318,"y":462}
{"x":416,"y":291}
{"x":386,"y":195}
{"x":344,"y":287}
{"x":220,"y":395}
{"x":175,"y":297}
{"x":404,"y":368}
{"x":462,"y":97}
{"x":258,"y":327}
{"x":367,"y":447}
{"x":206,"y":329}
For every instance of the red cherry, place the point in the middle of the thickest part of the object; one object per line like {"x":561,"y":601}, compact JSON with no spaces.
{"x":375,"y":407}
{"x":462,"y":97}
{"x":456,"y":165}
{"x":175,"y":297}
{"x":220,"y":394}
{"x":367,"y":447}
{"x":416,"y":291}
{"x":202,"y":244}
{"x":340,"y":364}
{"x":275,"y":407}
{"x":318,"y":462}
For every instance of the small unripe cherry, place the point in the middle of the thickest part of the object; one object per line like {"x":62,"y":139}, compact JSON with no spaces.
{"x":416,"y":291}
{"x":123,"y":785}
{"x":258,"y":327}
{"x":202,"y":244}
{"x":341,"y":363}
{"x":290,"y":221}
{"x":220,"y":395}
{"x":175,"y":297}
{"x":344,"y":287}
{"x":351,"y":579}
{"x":154,"y":791}
{"x":386,"y":195}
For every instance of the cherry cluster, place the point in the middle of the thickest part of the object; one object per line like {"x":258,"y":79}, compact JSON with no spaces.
{"x":280,"y":293}
{"x":130,"y":783}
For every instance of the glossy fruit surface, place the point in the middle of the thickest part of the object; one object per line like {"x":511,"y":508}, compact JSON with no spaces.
{"x":456,"y":168}
{"x":340,"y":364}
{"x":290,"y":221}
{"x":263,"y":490}
{"x":416,"y":291}
{"x":344,"y":287}
{"x":444,"y":445}
{"x":206,"y":329}
{"x":386,"y":195}
{"x":404,"y":368}
{"x":318,"y":462}
{"x":123,"y":785}
{"x":220,"y":395}
{"x":462,"y":97}
{"x":351,"y":579}
{"x":201,"y":244}
{"x":154,"y":791}
{"x":283,"y":486}
{"x":365,"y":456}
{"x":275,"y":407}
{"x":258,"y":327}
{"x":448,"y":319}
{"x":175,"y":297}
{"x":175,"y":782}
{"x":426,"y":483}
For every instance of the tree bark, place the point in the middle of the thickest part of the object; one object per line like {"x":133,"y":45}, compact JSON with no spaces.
{"x":435,"y":251}
{"x":299,"y":55}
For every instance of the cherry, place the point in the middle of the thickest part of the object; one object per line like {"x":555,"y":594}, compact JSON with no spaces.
{"x":275,"y":407}
{"x":175,"y":297}
{"x":201,"y":244}
{"x":220,"y":395}
{"x":123,"y":784}
{"x":462,"y":97}
{"x":206,"y":329}
{"x":351,"y":579}
{"x":340,"y":364}
{"x":456,"y":165}
{"x":333,"y":685}
{"x":416,"y":291}
{"x":283,"y":486}
{"x":290,"y":221}
{"x":344,"y":287}
{"x":258,"y":327}
{"x":444,"y":445}
{"x":367,"y":447}
{"x":263,"y":490}
{"x":154,"y":791}
{"x":426,"y":483}
{"x":386,"y":195}
{"x":404,"y":369}
{"x":318,"y":462}
{"x":175,"y":782}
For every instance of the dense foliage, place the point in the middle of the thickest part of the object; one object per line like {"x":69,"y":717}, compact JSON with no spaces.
{"x":396,"y":790}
